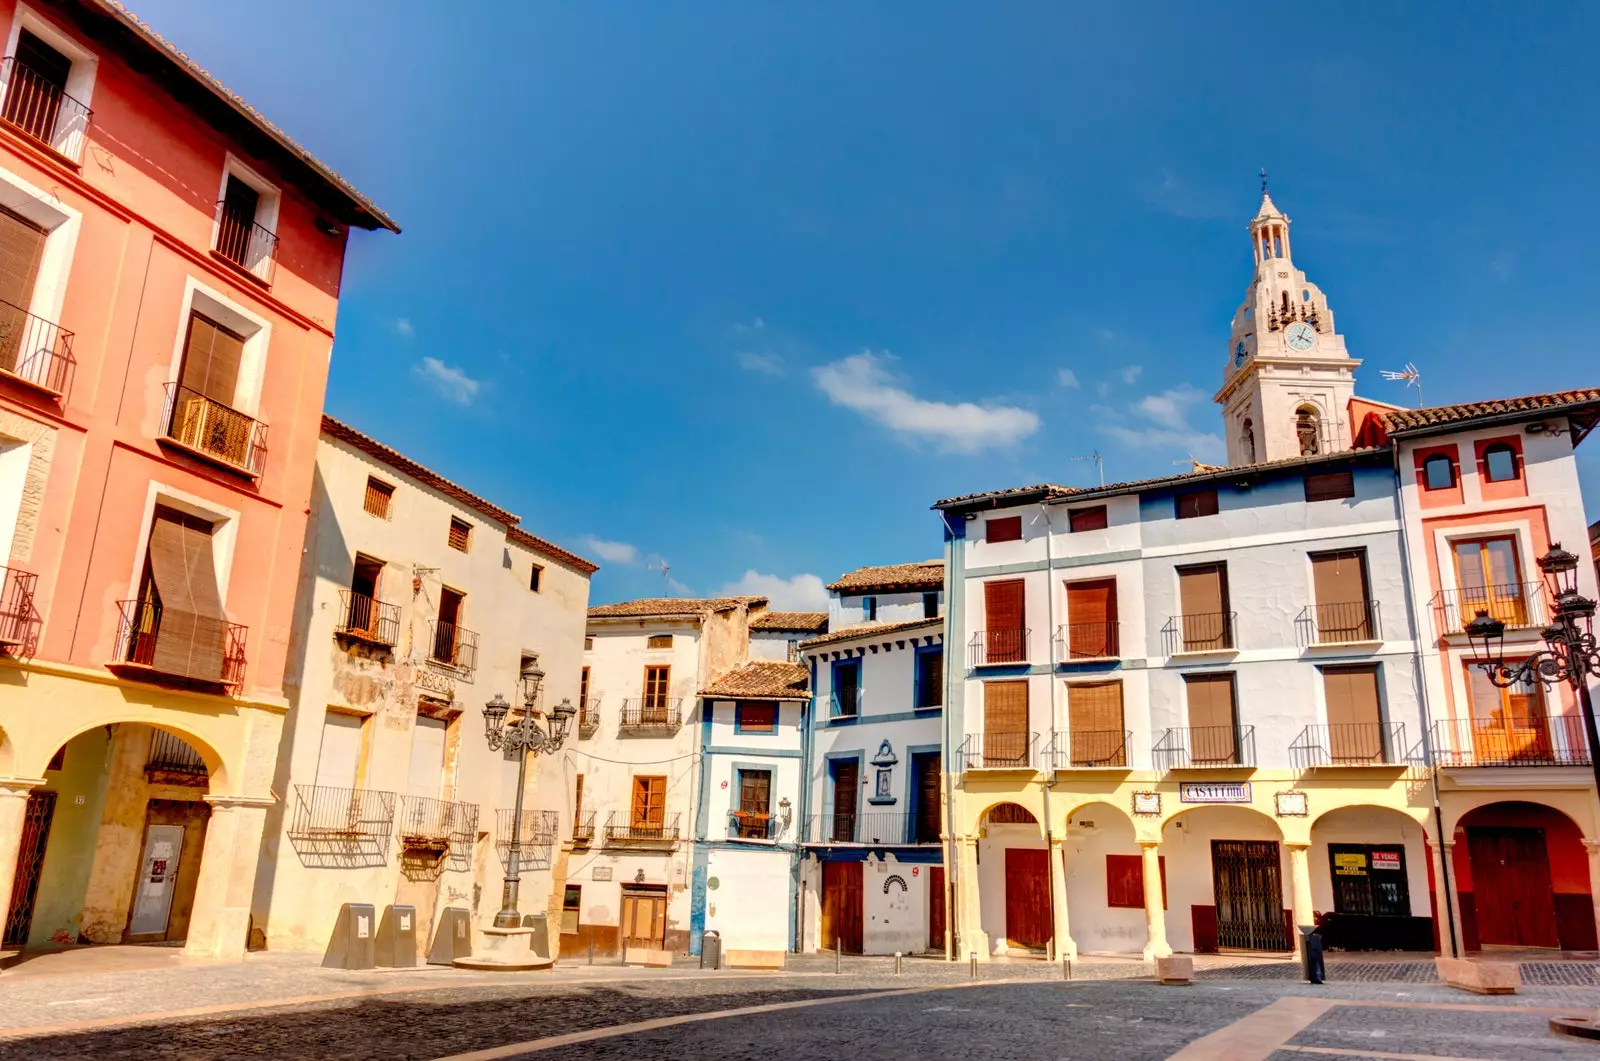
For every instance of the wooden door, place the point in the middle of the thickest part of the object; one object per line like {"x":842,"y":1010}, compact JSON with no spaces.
{"x":841,"y":906}
{"x":1005,"y":723}
{"x":1339,"y":580}
{"x":36,"y":819}
{"x":926,"y":782}
{"x":846,"y":791}
{"x":936,"y":900}
{"x":1092,"y":619}
{"x":1004,"y":608}
{"x":1247,"y":880}
{"x":1511,"y":887}
{"x":1203,"y":596}
{"x":644,"y":919}
{"x":1027,"y":898}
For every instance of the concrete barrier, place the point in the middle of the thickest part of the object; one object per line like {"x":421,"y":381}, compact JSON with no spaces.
{"x":646,"y":956}
{"x":753,"y":959}
{"x":1483,"y":978}
{"x":1176,"y":970}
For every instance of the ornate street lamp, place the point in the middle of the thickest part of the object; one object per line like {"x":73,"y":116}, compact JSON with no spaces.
{"x":524,"y":737}
{"x":1571,"y":657}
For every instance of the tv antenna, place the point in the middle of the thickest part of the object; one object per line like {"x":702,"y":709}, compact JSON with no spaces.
{"x":1099,"y":463}
{"x":665,"y":569}
{"x":1193,"y":462}
{"x":1412,"y":376}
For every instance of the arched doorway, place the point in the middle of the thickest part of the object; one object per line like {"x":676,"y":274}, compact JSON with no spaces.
{"x":112,"y":840}
{"x":1105,"y":880}
{"x":1372,"y":880}
{"x":1228,"y":882}
{"x":1014,"y":880}
{"x":1522,"y":878}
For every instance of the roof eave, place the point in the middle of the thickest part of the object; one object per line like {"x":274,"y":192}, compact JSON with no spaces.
{"x":1585,"y":415}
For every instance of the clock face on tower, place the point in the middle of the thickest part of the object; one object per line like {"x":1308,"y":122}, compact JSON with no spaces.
{"x":1238,"y":354}
{"x":1300,"y":336}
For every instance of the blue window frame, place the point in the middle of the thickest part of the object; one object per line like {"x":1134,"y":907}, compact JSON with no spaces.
{"x":846,"y":688}
{"x":928,"y":678}
{"x":869,"y":608}
{"x":754,"y":716}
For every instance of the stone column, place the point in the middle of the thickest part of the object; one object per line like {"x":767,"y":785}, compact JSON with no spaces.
{"x":220,"y":924}
{"x":1065,"y":947}
{"x":1441,"y":902}
{"x":1300,"y":905}
{"x":13,"y":807}
{"x":973,"y":940}
{"x":1155,"y":914}
{"x":1593,"y":848}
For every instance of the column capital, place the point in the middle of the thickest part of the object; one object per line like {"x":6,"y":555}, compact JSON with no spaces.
{"x":1591,"y":846}
{"x":19,"y":786}
{"x":1149,"y":845}
{"x":1297,"y":845}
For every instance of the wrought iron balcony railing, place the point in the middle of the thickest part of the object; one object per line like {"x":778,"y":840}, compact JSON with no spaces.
{"x":999,"y":751}
{"x":623,"y":830}
{"x":19,"y":618}
{"x":1088,"y":749}
{"x":588,"y":717}
{"x":246,"y":244}
{"x":583,"y":825}
{"x":171,"y":754}
{"x":35,"y":351}
{"x":1081,"y":641}
{"x":1205,"y":747}
{"x":538,"y":826}
{"x":1346,"y":623}
{"x":454,"y":646}
{"x":994,"y":648}
{"x":1517,"y":604}
{"x":366,"y":619}
{"x":1554,"y":740}
{"x":1201,"y":632}
{"x":195,"y":648}
{"x":872,"y":828}
{"x":356,"y":815}
{"x":38,"y":107}
{"x":753,"y":825}
{"x":436,"y":824}
{"x":1348,"y":744}
{"x":214,"y":431}
{"x":651,"y":714}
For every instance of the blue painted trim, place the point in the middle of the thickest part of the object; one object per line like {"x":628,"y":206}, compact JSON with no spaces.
{"x":833,"y":685}
{"x":887,"y":716}
{"x":739,"y":726}
{"x":923,"y":854}
{"x":706,"y":712}
{"x":697,"y":899}
{"x":916,"y":672}
{"x":858,"y":756}
{"x":912,"y":809}
{"x":775,"y":753}
{"x":1098,"y":666}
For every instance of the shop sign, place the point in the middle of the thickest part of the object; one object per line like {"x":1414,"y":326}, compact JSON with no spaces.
{"x":1214,"y":791}
{"x":1350,"y":864}
{"x":1386,"y":860}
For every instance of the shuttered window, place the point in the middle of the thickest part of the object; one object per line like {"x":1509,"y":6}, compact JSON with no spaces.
{"x":211,"y":359}
{"x":21,"y":248}
{"x":340,"y":754}
{"x":577,"y":797}
{"x":755,"y":791}
{"x":1125,"y":881}
{"x":183,"y":576}
{"x":1339,"y":580}
{"x":379,"y":494}
{"x":460,"y":534}
{"x":659,"y":641}
{"x":1087,"y":519}
{"x":930,"y":677}
{"x":1094,"y":718}
{"x":1092,"y":619}
{"x":1330,"y":486}
{"x":1002,"y":529}
{"x":1005,"y":723}
{"x":235,"y":231}
{"x":1004,"y":607}
{"x":753,"y":716}
{"x":1203,"y":596}
{"x":1198,"y":503}
{"x":649,"y":801}
{"x":1213,"y":729}
{"x":1354,"y":713}
{"x":427,"y":758}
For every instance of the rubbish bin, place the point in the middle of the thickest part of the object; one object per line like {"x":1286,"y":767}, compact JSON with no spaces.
{"x":452,"y":936}
{"x":1311,"y":953}
{"x":397,"y":938}
{"x":351,"y":946}
{"x":711,"y":949}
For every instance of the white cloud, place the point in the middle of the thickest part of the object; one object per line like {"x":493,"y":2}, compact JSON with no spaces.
{"x":1161,"y":421}
{"x":1067,"y":378}
{"x":611,"y":552}
{"x":1106,"y":335}
{"x":802,"y":593}
{"x":451,"y":383}
{"x":403,"y":326}
{"x":860,"y":382}
{"x":767,"y":363}
{"x":1130,"y":373}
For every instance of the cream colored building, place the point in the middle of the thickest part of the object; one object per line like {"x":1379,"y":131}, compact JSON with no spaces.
{"x":419,"y":601}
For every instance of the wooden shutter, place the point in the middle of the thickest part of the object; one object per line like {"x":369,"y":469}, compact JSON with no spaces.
{"x":1330,"y":486}
{"x":928,"y":789}
{"x":1339,"y":580}
{"x":21,"y":248}
{"x":1005,"y":723}
{"x":1091,"y":618}
{"x":1087,"y":519}
{"x":1203,"y":596}
{"x":757,"y":717}
{"x":191,"y":636}
{"x":1351,"y":696}
{"x":649,"y":801}
{"x":1004,"y":607}
{"x":1210,"y":699}
{"x":378,"y":495}
{"x":577,"y":798}
{"x":930,"y":678}
{"x":340,"y":755}
{"x":211,"y":358}
{"x":1125,"y":880}
{"x":460,"y":534}
{"x":1003,"y":529}
{"x":1094,"y":718}
{"x":846,"y":789}
{"x":1199,"y":503}
{"x":427,"y":757}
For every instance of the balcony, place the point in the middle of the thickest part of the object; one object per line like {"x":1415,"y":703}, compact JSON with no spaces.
{"x":173,"y":761}
{"x":37,"y":107}
{"x":626,"y":831}
{"x":158,"y":643}
{"x":998,"y":648}
{"x":1556,"y":740}
{"x":1077,"y":642}
{"x":245,"y":244}
{"x":1201,"y":632}
{"x":1000,"y":751}
{"x":19,"y":619}
{"x":1205,"y":748}
{"x":875,"y":828}
{"x":753,"y":825}
{"x":362,"y":818}
{"x":453,"y":646}
{"x":588,"y":717}
{"x":207,"y":429}
{"x":35,"y":351}
{"x":1349,"y":623}
{"x":1088,"y":749}
{"x":1520,"y":605}
{"x":437,"y":825}
{"x":366,"y":619}
{"x":651,"y":715}
{"x":1348,"y":744}
{"x":583,"y":826}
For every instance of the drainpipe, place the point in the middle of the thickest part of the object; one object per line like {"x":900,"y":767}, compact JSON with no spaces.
{"x":1406,"y":576}
{"x":809,"y":709}
{"x":1049,"y":781}
{"x":954,"y":605}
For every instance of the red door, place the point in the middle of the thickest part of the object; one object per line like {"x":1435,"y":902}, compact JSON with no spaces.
{"x":1511,"y":887}
{"x":1027,"y":898}
{"x":841,"y":906}
{"x":936,"y":897}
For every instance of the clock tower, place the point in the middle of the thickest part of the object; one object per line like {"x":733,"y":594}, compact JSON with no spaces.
{"x":1288,"y":380}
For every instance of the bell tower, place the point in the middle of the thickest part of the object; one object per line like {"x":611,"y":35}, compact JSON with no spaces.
{"x":1288,"y":380}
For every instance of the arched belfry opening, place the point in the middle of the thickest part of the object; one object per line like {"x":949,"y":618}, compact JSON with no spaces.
{"x":1307,"y":430}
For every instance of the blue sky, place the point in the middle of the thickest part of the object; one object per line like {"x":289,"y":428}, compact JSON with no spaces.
{"x":747,"y":286}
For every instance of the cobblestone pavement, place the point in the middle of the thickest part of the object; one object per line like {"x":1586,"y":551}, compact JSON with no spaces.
{"x":940,"y":1015}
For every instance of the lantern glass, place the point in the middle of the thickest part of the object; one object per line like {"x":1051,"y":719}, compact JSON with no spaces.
{"x":1487,"y":635}
{"x":494,"y":714}
{"x":1561,"y":568}
{"x":532,"y":678}
{"x":560,"y":719}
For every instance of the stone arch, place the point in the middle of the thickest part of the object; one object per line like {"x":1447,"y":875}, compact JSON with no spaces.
{"x":1417,"y":816}
{"x":1104,"y":875}
{"x":1308,"y":428}
{"x":1371,"y":878}
{"x":980,"y":820}
{"x":1190,"y":838}
{"x":44,"y":748}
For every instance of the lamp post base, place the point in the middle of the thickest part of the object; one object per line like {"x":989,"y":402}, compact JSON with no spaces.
{"x":509,"y":950}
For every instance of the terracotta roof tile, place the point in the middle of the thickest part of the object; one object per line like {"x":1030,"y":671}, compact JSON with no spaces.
{"x":1439,"y":415}
{"x":647,"y":607}
{"x":850,"y":633}
{"x":763,"y":679}
{"x":518,"y":536}
{"x":406,"y":466}
{"x":925,"y":574}
{"x":809,"y":622}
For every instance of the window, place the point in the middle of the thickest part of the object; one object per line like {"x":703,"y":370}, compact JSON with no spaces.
{"x":40,"y":92}
{"x":1094,"y":718}
{"x":930,"y":605}
{"x":22,"y":246}
{"x":577,"y":798}
{"x":339,"y":758}
{"x":203,"y":416}
{"x":750,"y":716}
{"x":247,"y":221}
{"x":460,"y":534}
{"x":588,"y":644}
{"x":657,"y":681}
{"x":649,"y":810}
{"x":1518,"y":708}
{"x":1438,"y":472}
{"x":1369,"y":879}
{"x":1005,"y":608}
{"x":1002,"y":529}
{"x":930,"y":676}
{"x":1195,"y":504}
{"x":364,"y":613}
{"x":1092,"y":619}
{"x":847,"y":687}
{"x":1092,"y":518}
{"x":869,"y":608}
{"x":1330,"y":486}
{"x":1125,"y":881}
{"x":1307,"y":426}
{"x":1499,"y":463}
{"x":177,"y":626}
{"x":379,"y":495}
{"x":426,"y":777}
{"x":1213,"y":718}
{"x":1490,"y":578}
{"x":447,"y":630}
{"x":571,"y":904}
{"x":1247,"y":433}
{"x":926,"y":787}
{"x":755,"y":804}
{"x":583,"y":687}
{"x":1006,"y":737}
{"x":1343,"y":611}
{"x":1355,"y":715}
{"x":846,"y":776}
{"x":1206,"y":624}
